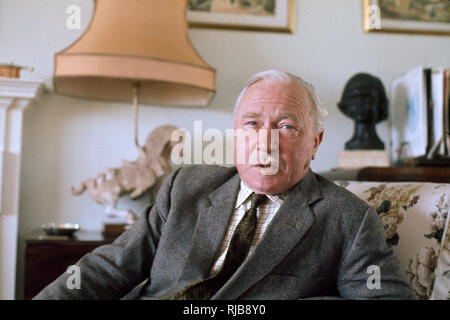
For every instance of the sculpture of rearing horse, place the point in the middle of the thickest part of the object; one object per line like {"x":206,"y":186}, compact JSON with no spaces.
{"x":149,"y":170}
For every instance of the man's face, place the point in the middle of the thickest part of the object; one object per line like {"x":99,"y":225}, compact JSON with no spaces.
{"x":287,"y":108}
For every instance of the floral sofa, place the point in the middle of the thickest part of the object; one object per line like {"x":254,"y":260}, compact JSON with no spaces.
{"x":416,"y":221}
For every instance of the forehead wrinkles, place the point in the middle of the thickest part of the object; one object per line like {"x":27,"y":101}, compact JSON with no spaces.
{"x":283,"y":93}
{"x":296,"y":101}
{"x":300,"y":104}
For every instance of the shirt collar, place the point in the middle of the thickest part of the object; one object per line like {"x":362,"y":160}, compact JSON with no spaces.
{"x":245,"y":192}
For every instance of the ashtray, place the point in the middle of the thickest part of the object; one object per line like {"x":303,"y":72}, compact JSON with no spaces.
{"x":67,"y":229}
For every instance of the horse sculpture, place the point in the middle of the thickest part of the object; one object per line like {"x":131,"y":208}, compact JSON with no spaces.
{"x":149,"y":170}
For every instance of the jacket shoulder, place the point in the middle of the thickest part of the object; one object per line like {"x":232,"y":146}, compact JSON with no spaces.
{"x":339,"y":196}
{"x":206,"y":175}
{"x":194,"y":179}
{"x":340,"y":208}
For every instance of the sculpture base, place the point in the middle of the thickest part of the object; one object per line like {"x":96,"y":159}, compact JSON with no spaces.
{"x":349,"y":159}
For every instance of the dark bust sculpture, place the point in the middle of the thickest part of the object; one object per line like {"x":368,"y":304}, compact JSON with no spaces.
{"x":364,"y":100}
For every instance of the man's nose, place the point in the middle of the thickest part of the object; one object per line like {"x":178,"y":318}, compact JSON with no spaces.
{"x":265,"y":140}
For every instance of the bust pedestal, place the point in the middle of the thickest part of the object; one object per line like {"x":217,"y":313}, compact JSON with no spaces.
{"x":349,"y":159}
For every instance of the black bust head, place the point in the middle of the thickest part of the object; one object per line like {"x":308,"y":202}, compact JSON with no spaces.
{"x":364,"y":100}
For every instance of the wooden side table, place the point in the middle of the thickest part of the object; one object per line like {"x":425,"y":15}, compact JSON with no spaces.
{"x":421,"y":174}
{"x":46,"y":259}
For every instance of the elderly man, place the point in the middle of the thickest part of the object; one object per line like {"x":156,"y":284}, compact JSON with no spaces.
{"x":268,"y":228}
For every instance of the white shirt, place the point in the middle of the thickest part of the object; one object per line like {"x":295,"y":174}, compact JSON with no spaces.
{"x":265,"y":213}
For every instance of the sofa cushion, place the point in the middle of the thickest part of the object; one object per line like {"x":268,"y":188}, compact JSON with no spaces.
{"x":414,"y":216}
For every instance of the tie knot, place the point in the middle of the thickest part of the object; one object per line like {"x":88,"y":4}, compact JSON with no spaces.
{"x":257,"y":200}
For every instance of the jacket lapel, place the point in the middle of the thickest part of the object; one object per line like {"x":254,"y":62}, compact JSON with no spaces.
{"x":209,"y":232}
{"x":290,"y":223}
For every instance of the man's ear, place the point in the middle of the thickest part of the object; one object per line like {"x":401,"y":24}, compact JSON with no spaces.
{"x":317,"y":141}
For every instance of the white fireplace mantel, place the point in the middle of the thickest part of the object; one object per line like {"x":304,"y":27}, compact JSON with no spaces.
{"x":15,"y":96}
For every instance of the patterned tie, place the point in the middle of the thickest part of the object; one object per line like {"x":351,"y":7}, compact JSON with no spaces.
{"x":237,"y":252}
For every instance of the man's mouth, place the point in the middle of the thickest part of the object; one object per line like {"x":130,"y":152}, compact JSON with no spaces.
{"x":267,"y":169}
{"x":264,"y":165}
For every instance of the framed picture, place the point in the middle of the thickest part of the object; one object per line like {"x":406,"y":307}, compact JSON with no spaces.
{"x":407,"y":16}
{"x":255,"y":15}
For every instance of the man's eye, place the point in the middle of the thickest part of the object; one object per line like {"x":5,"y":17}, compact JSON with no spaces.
{"x":251,"y":123}
{"x":287,"y":126}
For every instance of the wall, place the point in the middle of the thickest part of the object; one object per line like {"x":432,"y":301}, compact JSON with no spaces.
{"x":67,"y":139}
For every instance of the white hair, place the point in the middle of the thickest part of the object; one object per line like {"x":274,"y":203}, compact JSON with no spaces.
{"x":319,"y":112}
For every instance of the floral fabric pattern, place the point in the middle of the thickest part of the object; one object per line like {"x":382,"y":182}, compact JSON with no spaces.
{"x":414,"y":215}
{"x":441,"y":289}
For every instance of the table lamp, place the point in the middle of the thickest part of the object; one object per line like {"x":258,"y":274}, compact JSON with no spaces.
{"x":136,"y":50}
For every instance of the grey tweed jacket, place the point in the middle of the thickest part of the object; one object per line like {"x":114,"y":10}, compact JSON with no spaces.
{"x":320,"y":243}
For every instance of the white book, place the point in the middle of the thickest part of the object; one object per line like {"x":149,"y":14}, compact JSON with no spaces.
{"x":408,"y":110}
{"x":437,"y":95}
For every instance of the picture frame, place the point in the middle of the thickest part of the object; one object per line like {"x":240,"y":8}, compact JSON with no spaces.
{"x":266,"y":15}
{"x":407,"y":17}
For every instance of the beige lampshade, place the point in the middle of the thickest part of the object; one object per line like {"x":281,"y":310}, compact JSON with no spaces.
{"x":131,"y":41}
